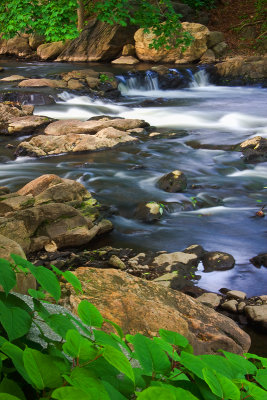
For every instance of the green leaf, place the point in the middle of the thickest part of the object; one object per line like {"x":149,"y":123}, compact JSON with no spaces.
{"x":15,"y":321}
{"x":117,"y":327}
{"x":244,"y":366}
{"x":158,"y":393}
{"x":41,"y":369}
{"x":261,"y":378}
{"x":173,"y":338}
{"x":36,"y":294}
{"x":6,"y":396}
{"x":212,"y":381}
{"x":47,"y":280}
{"x":70,"y":393}
{"x":230,"y":390}
{"x":263,"y":360}
{"x":82,"y":379}
{"x":167,"y":348}
{"x":16,"y":355}
{"x":193,"y":363}
{"x":11,"y":387}
{"x":103,"y":338}
{"x":60,"y":324}
{"x":118,"y":360}
{"x":79,"y":347}
{"x":253,"y":390}
{"x":113,"y":393}
{"x":7,"y":276}
{"x":150,"y":354}
{"x":219,"y":364}
{"x":89,"y":314}
{"x":73,"y":280}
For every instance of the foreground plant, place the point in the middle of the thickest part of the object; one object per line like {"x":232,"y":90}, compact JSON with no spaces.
{"x":84,"y":362}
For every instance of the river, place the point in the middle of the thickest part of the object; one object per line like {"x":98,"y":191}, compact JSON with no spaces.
{"x":203,"y":119}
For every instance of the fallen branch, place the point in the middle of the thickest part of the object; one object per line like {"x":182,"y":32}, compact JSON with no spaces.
{"x":262,"y":34}
{"x":242,"y":25}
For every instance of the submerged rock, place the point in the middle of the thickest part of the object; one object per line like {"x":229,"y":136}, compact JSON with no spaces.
{"x":217,"y":261}
{"x":254,"y":149}
{"x":144,"y":307}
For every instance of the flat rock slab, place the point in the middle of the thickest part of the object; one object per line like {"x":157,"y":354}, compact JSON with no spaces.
{"x":145,"y":307}
{"x":53,"y":83}
{"x":44,"y":145}
{"x":27,"y":124}
{"x":13,"y":78}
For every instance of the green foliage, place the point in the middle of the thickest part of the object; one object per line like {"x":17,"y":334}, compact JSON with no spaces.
{"x":86,"y":363}
{"x":57,"y":20}
{"x":197,"y":4}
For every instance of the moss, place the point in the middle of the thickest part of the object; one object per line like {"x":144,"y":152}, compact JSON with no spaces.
{"x":89,"y":208}
{"x":28,"y":203}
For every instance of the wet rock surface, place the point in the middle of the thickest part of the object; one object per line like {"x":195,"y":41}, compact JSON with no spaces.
{"x":173,"y":182}
{"x":254,"y":149}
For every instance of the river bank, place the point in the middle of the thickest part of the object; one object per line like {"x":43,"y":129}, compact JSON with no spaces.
{"x":196,"y":126}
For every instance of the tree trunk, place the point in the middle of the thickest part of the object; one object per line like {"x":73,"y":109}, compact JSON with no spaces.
{"x":80,"y":14}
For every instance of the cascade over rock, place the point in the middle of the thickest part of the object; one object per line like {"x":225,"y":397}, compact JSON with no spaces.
{"x":98,"y":42}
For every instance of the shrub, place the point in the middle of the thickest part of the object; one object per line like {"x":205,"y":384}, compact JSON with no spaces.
{"x":84,"y":362}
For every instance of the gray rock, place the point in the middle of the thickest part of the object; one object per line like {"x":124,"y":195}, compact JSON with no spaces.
{"x":236,"y":294}
{"x":230,"y":305}
{"x":210,"y":299}
{"x":220,"y":49}
{"x":258,"y":314}
{"x":241,"y":306}
{"x":196,"y":249}
{"x":169,"y":260}
{"x":116,"y":262}
{"x":217,"y":261}
{"x":214,"y":38}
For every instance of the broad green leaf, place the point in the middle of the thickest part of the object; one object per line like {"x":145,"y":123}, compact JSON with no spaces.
{"x":79,"y":347}
{"x":16,"y":355}
{"x":89,"y":314}
{"x":193,"y":363}
{"x":156,"y":393}
{"x":113,"y":393}
{"x":21,"y":261}
{"x":177,"y":375}
{"x":230,"y":390}
{"x":41,"y":369}
{"x":219,"y":364}
{"x":15,"y":321}
{"x":40,"y":309}
{"x":11,"y":387}
{"x":104,"y":338}
{"x":7,"y":276}
{"x":60,"y":324}
{"x":6,"y":396}
{"x":173,"y":338}
{"x":81,"y":378}
{"x":245,"y":367}
{"x":261,"y":378}
{"x":118,"y":360}
{"x":212,"y":381}
{"x":71,"y":393}
{"x":149,"y":354}
{"x":47,"y":280}
{"x":14,"y":301}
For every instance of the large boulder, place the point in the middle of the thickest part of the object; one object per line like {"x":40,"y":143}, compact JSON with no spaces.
{"x":50,"y":210}
{"x":50,"y":51}
{"x":9,"y":246}
{"x":139,"y":306}
{"x":17,"y":46}
{"x":97,"y":42}
{"x":194,"y":52}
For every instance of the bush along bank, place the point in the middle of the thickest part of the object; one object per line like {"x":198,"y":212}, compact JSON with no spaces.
{"x":72,"y":357}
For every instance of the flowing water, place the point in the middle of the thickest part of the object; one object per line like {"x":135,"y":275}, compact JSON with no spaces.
{"x":202,"y":120}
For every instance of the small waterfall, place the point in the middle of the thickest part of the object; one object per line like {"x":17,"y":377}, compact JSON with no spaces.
{"x":199,"y":78}
{"x":147,"y":81}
